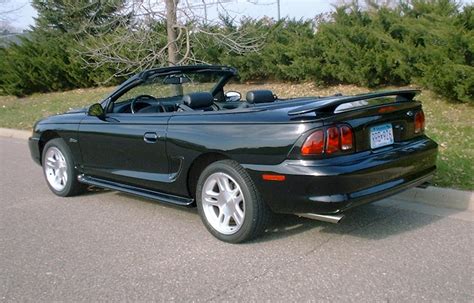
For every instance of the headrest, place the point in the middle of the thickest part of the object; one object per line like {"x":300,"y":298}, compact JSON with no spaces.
{"x":260,"y":96}
{"x":198,"y":100}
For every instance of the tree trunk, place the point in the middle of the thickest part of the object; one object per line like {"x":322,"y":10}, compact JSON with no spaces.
{"x":171,"y":20}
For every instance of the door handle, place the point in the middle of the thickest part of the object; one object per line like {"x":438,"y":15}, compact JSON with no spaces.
{"x":150,"y":137}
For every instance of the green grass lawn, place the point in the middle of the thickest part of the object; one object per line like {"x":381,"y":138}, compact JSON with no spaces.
{"x":451,"y":125}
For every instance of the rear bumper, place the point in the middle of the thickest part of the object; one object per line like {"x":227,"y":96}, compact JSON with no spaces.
{"x":334,"y":185}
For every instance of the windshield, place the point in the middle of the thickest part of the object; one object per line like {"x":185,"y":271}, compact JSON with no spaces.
{"x":176,"y":84}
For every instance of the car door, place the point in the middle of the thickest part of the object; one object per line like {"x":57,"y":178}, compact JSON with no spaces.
{"x":126,"y":148}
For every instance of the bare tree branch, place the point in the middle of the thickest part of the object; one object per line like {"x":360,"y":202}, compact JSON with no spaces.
{"x":6,"y":10}
{"x":148,"y":33}
{"x":367,"y":4}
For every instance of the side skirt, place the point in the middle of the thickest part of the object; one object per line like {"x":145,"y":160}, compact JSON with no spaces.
{"x":141,"y":192}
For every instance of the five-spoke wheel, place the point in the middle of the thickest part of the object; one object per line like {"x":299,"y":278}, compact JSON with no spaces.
{"x":58,"y":168}
{"x":229,"y":203}
{"x":55,"y":168}
{"x":223,"y":203}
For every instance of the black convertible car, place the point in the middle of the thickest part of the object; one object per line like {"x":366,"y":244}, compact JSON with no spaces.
{"x":176,"y":135}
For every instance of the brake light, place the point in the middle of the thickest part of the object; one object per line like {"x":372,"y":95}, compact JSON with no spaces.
{"x":314,"y":144}
{"x":387,"y":109}
{"x":419,"y":122}
{"x":332,"y":140}
{"x":347,"y":138}
{"x":329,"y":141}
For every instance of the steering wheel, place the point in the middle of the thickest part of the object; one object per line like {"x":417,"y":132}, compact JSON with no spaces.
{"x":139,"y":98}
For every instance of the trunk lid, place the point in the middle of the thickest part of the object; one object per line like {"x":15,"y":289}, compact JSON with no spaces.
{"x":367,"y":123}
{"x":377,"y":119}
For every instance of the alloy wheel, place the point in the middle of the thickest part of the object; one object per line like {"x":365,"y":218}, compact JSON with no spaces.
{"x":55,"y":168}
{"x":223,"y":203}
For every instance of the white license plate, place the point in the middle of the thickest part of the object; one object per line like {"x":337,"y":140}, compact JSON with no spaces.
{"x":381,"y":135}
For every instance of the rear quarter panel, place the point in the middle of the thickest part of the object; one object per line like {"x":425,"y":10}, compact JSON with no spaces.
{"x":258,"y":137}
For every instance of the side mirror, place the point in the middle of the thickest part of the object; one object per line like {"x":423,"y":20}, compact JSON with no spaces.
{"x":232,"y":96}
{"x":96,"y":110}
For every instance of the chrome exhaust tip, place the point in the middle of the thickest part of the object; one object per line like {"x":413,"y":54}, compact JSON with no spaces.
{"x":325,"y":218}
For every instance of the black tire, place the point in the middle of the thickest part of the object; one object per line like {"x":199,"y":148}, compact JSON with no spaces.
{"x":256,"y":212}
{"x":72,"y":187}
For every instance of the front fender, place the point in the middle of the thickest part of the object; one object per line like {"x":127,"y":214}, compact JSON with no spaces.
{"x":45,"y":130}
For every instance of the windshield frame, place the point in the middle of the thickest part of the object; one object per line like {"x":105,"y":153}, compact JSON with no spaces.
{"x":226,"y":73}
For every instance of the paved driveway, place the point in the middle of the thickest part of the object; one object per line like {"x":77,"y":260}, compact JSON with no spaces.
{"x":111,"y":246}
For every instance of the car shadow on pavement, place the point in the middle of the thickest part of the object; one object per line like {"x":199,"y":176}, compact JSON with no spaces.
{"x":370,"y":221}
{"x":92,"y":190}
{"x":192,"y":210}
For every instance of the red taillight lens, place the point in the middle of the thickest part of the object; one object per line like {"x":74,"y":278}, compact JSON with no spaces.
{"x":314,"y":144}
{"x":332,"y":141}
{"x":329,"y":141}
{"x":347,"y":138}
{"x":419,"y":122}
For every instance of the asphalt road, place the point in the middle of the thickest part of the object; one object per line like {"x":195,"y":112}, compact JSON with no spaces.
{"x":110,"y":246}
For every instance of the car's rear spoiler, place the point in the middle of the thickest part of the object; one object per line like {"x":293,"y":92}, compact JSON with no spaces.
{"x":330,"y":104}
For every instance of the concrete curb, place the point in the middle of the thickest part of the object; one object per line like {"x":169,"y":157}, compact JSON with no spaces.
{"x":15,"y":133}
{"x":435,"y":196}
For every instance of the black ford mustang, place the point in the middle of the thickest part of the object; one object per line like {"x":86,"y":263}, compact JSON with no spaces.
{"x":175,"y":135}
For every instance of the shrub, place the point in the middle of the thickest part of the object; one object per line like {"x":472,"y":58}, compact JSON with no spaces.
{"x":428,"y":42}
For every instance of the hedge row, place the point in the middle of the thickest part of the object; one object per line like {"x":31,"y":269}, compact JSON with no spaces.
{"x":427,"y":42}
{"x":421,"y":44}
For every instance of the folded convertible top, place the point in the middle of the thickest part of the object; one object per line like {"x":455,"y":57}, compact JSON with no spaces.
{"x":331,"y":103}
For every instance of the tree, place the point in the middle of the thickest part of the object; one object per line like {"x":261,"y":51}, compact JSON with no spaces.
{"x":171,"y":21}
{"x":367,"y":4}
{"x":154,"y":33}
{"x":71,"y":23}
{"x":70,"y":16}
{"x":49,"y":58}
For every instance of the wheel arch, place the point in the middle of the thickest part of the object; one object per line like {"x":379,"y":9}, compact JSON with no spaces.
{"x":44,"y":138}
{"x":198,"y":165}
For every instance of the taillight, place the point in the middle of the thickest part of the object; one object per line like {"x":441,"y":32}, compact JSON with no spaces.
{"x":314,"y":144}
{"x":332,"y":140}
{"x":419,"y":122}
{"x":347,"y":138}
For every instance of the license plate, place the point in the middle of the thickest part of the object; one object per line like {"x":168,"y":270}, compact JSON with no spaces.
{"x":381,"y":135}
